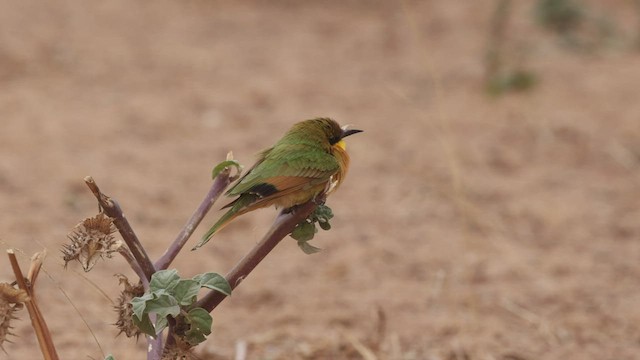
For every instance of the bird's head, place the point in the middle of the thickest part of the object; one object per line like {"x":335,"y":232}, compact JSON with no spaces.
{"x":331,"y":131}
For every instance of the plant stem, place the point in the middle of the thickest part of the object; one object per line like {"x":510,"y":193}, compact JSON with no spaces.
{"x":37,"y":320}
{"x":219,"y":184}
{"x":171,"y":340}
{"x":113,"y":210}
{"x":126,"y":254}
{"x":154,"y":345}
{"x":283,"y":225}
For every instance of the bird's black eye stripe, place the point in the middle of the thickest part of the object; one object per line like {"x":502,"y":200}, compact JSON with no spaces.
{"x":263,"y":190}
{"x":334,"y":140}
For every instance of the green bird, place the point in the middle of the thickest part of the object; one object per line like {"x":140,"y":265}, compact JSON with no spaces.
{"x":309,"y":159}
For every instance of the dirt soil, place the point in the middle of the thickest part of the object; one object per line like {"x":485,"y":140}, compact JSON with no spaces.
{"x":469,"y":226}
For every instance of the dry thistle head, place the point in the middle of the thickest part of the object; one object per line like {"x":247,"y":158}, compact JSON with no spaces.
{"x":91,"y":240}
{"x":11,"y":300}
{"x":179,"y":351}
{"x":124,"y":308}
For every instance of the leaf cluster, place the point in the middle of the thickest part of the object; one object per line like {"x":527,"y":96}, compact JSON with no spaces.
{"x":170,"y":297}
{"x":306,"y":230}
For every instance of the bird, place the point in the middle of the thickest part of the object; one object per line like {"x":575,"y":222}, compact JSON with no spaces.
{"x":310,"y":159}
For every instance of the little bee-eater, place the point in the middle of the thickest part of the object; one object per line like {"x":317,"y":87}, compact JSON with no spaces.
{"x":309,"y":159}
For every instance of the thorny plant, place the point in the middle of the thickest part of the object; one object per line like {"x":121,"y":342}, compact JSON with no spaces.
{"x":159,"y":305}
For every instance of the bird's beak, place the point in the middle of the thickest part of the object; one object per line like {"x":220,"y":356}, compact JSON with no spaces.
{"x":347,"y":132}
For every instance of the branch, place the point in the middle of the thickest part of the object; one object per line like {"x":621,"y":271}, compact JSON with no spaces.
{"x":154,"y":346}
{"x":219,"y":184}
{"x":126,"y":254}
{"x":283,"y":225}
{"x":113,"y":210}
{"x":37,"y":320}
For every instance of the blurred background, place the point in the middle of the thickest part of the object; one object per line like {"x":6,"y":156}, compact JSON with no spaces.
{"x":492,"y":209}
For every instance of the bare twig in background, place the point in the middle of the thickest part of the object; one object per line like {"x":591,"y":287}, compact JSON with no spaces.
{"x":542,"y":324}
{"x":362,"y":349}
{"x":34,"y":268}
{"x":112,"y":209}
{"x":37,"y":320}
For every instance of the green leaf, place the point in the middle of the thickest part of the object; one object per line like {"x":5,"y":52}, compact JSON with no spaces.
{"x":109,"y":357}
{"x":513,"y":80}
{"x":164,"y":279}
{"x":139,"y":304}
{"x":186,"y":291}
{"x":323,"y":213}
{"x":214,"y":281}
{"x":167,"y":294}
{"x":324,"y":225}
{"x":304,"y":231}
{"x":308,"y":248}
{"x":145,"y":325}
{"x":200,"y":321}
{"x":562,"y":16}
{"x":163,"y":305}
{"x":223,"y":165}
{"x":161,"y":324}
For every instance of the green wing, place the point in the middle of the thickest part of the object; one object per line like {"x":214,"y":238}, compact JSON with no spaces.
{"x":285,"y":167}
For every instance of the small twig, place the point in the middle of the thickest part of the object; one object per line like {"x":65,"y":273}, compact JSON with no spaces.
{"x":283,"y":225}
{"x":529,"y":316}
{"x":219,"y":184}
{"x":361,"y":348}
{"x":126,"y":254}
{"x":37,"y":320}
{"x":34,"y":269}
{"x":521,"y":312}
{"x":113,"y":210}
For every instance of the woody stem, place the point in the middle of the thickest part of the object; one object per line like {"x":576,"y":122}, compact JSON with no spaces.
{"x":283,"y":225}
{"x":219,"y":184}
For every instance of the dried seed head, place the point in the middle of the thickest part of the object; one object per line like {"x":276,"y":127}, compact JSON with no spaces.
{"x":125,"y":310}
{"x":91,"y":240}
{"x":179,"y":351}
{"x":11,"y":300}
{"x":12,"y":295}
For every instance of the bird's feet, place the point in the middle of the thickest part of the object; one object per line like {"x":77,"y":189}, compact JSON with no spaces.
{"x":319,"y":199}
{"x":291,"y":210}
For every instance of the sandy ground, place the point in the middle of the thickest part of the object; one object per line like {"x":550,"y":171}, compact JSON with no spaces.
{"x":469,"y":227}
